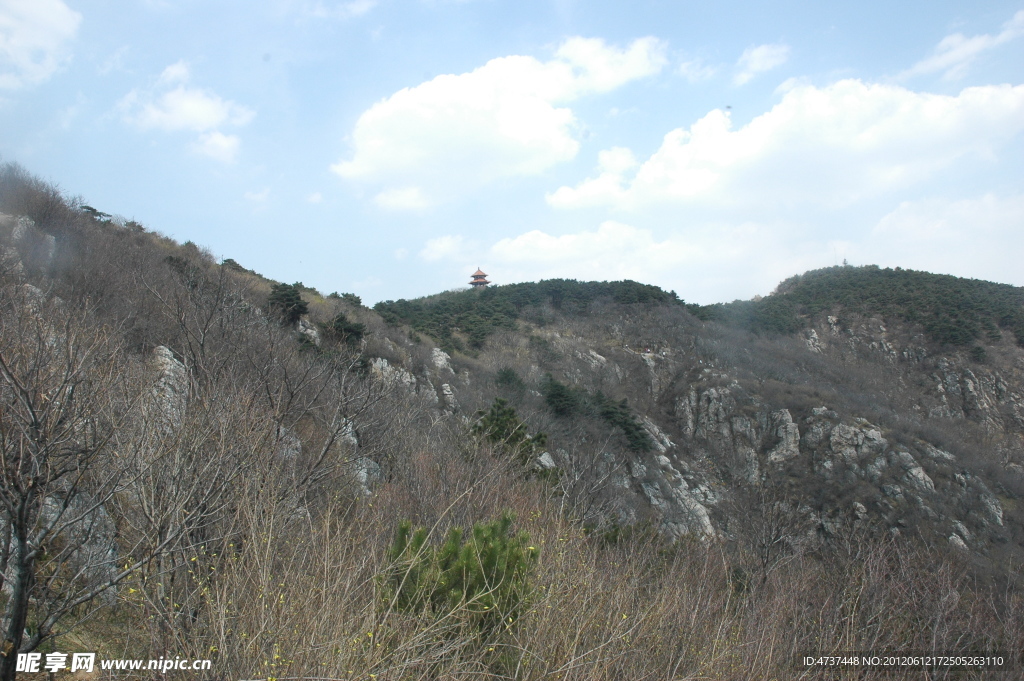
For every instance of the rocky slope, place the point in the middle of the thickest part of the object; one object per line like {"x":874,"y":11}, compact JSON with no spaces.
{"x":854,"y":419}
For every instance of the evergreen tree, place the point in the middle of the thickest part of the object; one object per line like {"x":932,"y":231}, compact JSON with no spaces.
{"x":501,"y":426}
{"x":348,"y":332}
{"x":286,"y":301}
{"x":486,"y":574}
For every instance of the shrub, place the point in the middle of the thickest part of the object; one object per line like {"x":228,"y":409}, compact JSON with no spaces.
{"x":571,"y":402}
{"x":348,"y":332}
{"x":501,"y":426}
{"x":510,"y":383}
{"x":561,"y":399}
{"x":619,"y":415}
{"x":485,"y":575}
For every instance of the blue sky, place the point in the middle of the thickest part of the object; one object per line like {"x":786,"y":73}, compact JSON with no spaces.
{"x":388,"y":148}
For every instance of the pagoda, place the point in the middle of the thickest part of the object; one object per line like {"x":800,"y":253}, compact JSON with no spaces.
{"x":479,"y":279}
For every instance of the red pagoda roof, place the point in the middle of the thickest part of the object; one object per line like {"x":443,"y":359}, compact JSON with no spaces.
{"x":479,"y":273}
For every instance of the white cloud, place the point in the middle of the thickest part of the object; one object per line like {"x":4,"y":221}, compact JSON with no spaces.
{"x":826,"y":146}
{"x":33,"y":40}
{"x":445,"y":247}
{"x":955,"y":52}
{"x":315,"y":197}
{"x":114,"y":62}
{"x":402,"y":198}
{"x":218,"y":146}
{"x":171,"y":104}
{"x":706,"y":263}
{"x":174,"y":105}
{"x":974,"y":237}
{"x":755,"y":60}
{"x":258,"y":197}
{"x":613,"y":251}
{"x":719,"y":260}
{"x":696,"y":70}
{"x":502,"y":120}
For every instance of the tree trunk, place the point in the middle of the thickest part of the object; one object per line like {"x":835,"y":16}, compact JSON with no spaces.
{"x":16,"y":612}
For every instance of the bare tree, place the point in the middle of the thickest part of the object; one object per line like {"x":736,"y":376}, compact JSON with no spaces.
{"x":770,"y":527}
{"x":93,"y":488}
{"x":57,"y":381}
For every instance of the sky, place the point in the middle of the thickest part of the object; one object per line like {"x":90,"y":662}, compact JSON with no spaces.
{"x":388,"y":148}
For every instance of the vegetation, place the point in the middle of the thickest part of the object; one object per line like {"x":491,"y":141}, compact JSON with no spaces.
{"x":348,"y":332}
{"x":179,"y":478}
{"x":286,"y":300}
{"x":485,"y":575}
{"x":509,"y":381}
{"x":501,"y":426}
{"x":569,"y":402}
{"x":476,"y":314}
{"x":951,"y":310}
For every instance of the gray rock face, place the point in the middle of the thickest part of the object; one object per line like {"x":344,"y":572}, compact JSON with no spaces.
{"x":544,"y":462}
{"x":658,"y":437}
{"x":992,"y":508}
{"x":594,"y":360}
{"x":914,"y":475}
{"x":10,"y":261}
{"x":24,"y":232}
{"x":681,"y":513}
{"x":685,"y":411}
{"x":22,"y":225}
{"x":308,"y":331}
{"x":788,"y":434}
{"x":170,"y":390}
{"x":719,"y":432}
{"x":288,"y":445}
{"x":450,"y":403}
{"x":813,"y":342}
{"x":441,"y":360}
{"x":367,"y":473}
{"x":393,"y":376}
{"x":91,"y":538}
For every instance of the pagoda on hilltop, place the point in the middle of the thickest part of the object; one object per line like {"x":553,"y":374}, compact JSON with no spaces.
{"x":479,"y":279}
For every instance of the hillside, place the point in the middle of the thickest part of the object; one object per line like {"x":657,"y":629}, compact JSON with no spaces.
{"x":588,"y":480}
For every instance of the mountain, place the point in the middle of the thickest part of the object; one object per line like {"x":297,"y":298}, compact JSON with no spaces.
{"x":552,"y":479}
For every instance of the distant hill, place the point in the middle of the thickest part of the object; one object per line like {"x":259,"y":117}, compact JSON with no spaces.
{"x":951,"y":310}
{"x":458,"y":319}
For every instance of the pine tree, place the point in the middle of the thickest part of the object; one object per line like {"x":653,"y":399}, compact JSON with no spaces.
{"x":286,"y":300}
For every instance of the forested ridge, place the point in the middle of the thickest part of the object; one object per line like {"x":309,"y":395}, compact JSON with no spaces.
{"x":950,"y":310}
{"x":473,"y":315}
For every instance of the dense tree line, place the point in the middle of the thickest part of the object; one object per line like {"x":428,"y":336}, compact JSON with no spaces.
{"x":951,"y":310}
{"x":476,"y":314}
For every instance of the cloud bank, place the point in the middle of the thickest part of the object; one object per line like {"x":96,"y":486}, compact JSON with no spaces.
{"x":504,"y":119}
{"x":33,"y":40}
{"x":172,"y":105}
{"x":757,"y":60}
{"x":955,"y":53}
{"x":828,"y":146}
